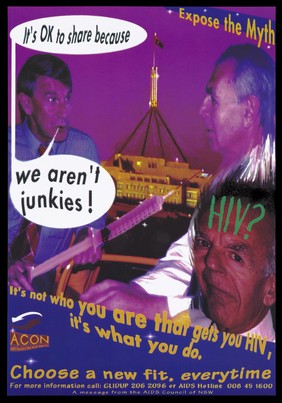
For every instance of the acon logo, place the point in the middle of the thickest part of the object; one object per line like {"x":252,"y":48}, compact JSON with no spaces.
{"x":20,"y":339}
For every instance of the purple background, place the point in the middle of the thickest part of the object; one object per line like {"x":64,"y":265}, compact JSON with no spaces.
{"x":111,"y":91}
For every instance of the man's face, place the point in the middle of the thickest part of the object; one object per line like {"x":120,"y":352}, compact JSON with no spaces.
{"x":223,"y":115}
{"x":229,"y":268}
{"x":49,"y":109}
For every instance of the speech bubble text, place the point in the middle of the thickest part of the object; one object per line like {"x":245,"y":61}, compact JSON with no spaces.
{"x":61,"y":191}
{"x":78,"y":34}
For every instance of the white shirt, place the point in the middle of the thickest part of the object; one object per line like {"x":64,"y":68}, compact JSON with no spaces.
{"x":171,"y":277}
{"x":263,"y":329}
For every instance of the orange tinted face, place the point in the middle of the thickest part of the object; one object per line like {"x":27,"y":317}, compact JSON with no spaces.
{"x":230,"y":268}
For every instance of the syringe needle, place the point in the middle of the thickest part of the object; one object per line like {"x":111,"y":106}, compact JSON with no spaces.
{"x":169,"y":194}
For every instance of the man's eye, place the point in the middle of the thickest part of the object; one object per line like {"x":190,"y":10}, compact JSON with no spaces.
{"x":213,"y":100}
{"x":52,"y":99}
{"x":236,"y":257}
{"x":203,"y":243}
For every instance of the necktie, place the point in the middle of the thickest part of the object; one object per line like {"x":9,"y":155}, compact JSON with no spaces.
{"x":42,"y":149}
{"x":25,"y":243}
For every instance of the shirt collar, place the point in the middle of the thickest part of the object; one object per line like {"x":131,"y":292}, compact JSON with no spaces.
{"x":264,"y":328}
{"x":32,"y":141}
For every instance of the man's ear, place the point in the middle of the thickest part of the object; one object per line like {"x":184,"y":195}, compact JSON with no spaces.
{"x":270,"y":291}
{"x":252,"y":111}
{"x":25,"y":102}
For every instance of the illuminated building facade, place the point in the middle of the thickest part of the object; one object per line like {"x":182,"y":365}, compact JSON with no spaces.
{"x":137,"y":178}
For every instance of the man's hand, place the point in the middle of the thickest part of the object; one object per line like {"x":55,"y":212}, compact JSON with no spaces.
{"x":129,"y":297}
{"x":17,"y":275}
{"x":92,"y":254}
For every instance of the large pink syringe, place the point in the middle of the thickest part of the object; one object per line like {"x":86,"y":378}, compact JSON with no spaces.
{"x":129,"y":220}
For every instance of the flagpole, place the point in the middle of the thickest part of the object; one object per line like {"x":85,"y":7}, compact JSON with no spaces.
{"x":154,"y":50}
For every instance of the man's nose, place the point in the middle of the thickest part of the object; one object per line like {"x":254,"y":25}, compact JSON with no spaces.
{"x":64,"y":109}
{"x":214,"y":259}
{"x":204,"y":108}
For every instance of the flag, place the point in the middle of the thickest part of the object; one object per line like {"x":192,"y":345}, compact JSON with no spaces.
{"x":158,"y":42}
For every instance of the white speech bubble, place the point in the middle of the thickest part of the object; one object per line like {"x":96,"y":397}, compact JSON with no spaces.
{"x":61,"y":191}
{"x":78,"y":34}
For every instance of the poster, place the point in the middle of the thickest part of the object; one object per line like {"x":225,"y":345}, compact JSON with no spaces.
{"x":128,"y":64}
